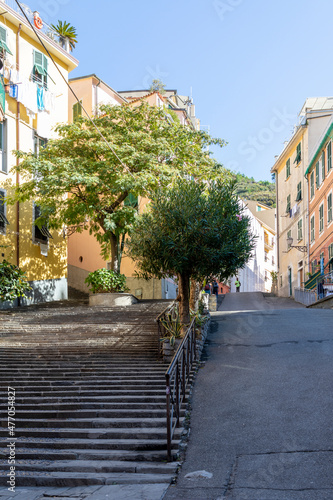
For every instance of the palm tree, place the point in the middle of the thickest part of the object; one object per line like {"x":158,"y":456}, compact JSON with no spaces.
{"x":66,"y":32}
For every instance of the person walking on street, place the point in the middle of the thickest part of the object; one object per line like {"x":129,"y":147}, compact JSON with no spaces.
{"x":215,"y":288}
{"x":237,"y":284}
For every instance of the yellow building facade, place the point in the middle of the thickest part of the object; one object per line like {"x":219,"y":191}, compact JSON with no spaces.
{"x":34,"y":99}
{"x":292,"y":195}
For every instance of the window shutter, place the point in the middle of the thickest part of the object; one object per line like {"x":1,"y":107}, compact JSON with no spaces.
{"x":38,"y":58}
{"x":45,"y":63}
{"x":329,"y":156}
{"x":323,"y":165}
{"x":77,"y":110}
{"x":317,"y":174}
{"x":3,"y":34}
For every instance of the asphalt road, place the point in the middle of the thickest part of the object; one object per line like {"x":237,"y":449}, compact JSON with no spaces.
{"x":262,"y":416}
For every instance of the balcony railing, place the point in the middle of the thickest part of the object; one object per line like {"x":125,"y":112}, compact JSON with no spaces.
{"x":46,"y":29}
{"x":305,"y":296}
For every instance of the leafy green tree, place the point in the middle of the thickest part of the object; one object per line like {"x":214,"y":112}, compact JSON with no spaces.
{"x":66,"y":32}
{"x":157,"y":86}
{"x":79,"y":181}
{"x":193,"y":230}
{"x":13,"y":283}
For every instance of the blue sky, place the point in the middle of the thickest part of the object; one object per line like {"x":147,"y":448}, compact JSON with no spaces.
{"x":250,"y":63}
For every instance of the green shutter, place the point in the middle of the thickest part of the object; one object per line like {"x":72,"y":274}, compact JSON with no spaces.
{"x":38,"y":58}
{"x":317,"y":174}
{"x":329,"y":208}
{"x":131,"y":201}
{"x":77,"y":110}
{"x":329,"y":156}
{"x":323,"y":165}
{"x":312,"y":185}
{"x":3,"y":34}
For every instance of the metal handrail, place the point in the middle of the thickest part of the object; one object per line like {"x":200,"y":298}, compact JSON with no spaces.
{"x":326,"y":279}
{"x":162,"y":332}
{"x":177,"y":377}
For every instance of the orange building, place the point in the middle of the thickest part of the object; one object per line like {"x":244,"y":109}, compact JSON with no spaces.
{"x":320,"y":185}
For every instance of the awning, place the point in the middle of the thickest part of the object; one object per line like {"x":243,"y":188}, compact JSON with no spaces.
{"x":4,"y":46}
{"x":40,"y":70}
{"x":3,"y":219}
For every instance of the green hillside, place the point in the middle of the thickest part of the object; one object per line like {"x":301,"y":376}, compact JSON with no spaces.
{"x":249,"y":189}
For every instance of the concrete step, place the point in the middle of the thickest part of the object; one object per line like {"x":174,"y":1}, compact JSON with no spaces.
{"x":91,"y":423}
{"x":100,"y":466}
{"x":121,"y":433}
{"x":44,"y":415}
{"x":79,"y":405}
{"x":86,"y":454}
{"x":68,"y":443}
{"x":45,"y":478}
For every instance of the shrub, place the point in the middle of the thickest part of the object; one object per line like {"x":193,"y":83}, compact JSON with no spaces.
{"x":13,"y":282}
{"x":106,"y":281}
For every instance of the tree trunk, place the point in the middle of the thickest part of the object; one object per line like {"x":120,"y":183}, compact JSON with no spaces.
{"x":114,"y":253}
{"x":194,"y":295}
{"x":184,"y":300}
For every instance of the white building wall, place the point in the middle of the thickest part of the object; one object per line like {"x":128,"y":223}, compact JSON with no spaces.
{"x":252,"y":276}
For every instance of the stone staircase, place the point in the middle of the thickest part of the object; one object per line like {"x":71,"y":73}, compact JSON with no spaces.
{"x":89,"y":396}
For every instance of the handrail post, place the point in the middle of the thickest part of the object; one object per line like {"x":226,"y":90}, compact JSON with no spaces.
{"x":168,"y":416}
{"x":177,"y":394}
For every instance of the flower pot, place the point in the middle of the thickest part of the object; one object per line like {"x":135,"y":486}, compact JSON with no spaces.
{"x":112,"y":299}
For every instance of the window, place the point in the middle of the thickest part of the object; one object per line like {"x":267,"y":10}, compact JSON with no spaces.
{"x":329,"y":208}
{"x":288,"y":168}
{"x":3,"y":147}
{"x":312,"y":229}
{"x":39,"y":72}
{"x":40,"y":235}
{"x":321,"y":218}
{"x":323,"y":166}
{"x":281,"y":281}
{"x":288,"y":204}
{"x":273,"y":260}
{"x":299,"y":191}
{"x":329,"y":156}
{"x":77,"y":110}
{"x":131,"y":201}
{"x":330,"y":251}
{"x":39,"y":144}
{"x":298,"y":154}
{"x":3,"y":42}
{"x":312,"y":185}
{"x":266,"y":257}
{"x":266,"y":276}
{"x":300,"y":229}
{"x":313,"y":266}
{"x":288,"y":236}
{"x":3,"y":219}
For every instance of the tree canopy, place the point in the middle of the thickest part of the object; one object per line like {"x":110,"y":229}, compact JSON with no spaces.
{"x":82,"y":180}
{"x":192,"y":230}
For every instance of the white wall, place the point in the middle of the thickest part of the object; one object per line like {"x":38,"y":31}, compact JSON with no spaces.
{"x":252,"y":276}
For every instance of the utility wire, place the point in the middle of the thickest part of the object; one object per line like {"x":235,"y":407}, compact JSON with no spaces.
{"x":70,"y":88}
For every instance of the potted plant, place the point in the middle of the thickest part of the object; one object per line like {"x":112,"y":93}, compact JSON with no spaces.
{"x":67,"y":34}
{"x":173,"y":338}
{"x":108,"y":288}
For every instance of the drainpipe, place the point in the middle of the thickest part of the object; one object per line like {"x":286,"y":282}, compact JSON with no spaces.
{"x":18,"y":147}
{"x":96,"y":93}
{"x":308,"y":221}
{"x":277,"y":226}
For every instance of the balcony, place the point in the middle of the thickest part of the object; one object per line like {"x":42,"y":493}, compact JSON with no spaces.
{"x":46,"y":29}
